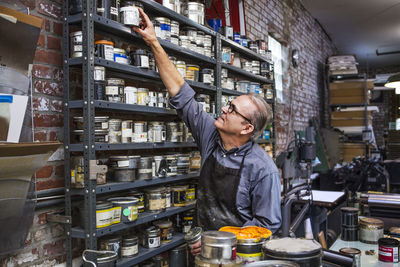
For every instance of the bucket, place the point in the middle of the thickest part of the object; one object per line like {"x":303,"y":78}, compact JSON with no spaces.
{"x":218,"y":245}
{"x":129,"y":207}
{"x":306,"y":253}
{"x":104,"y":258}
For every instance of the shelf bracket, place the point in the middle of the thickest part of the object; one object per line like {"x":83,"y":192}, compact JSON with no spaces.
{"x":57,"y":218}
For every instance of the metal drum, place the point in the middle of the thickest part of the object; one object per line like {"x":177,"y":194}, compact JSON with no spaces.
{"x":124,"y":168}
{"x":145,"y":169}
{"x":204,"y":262}
{"x":218,"y":245}
{"x":306,"y":253}
{"x":370,"y":230}
{"x":272,"y":263}
{"x":178,"y":256}
{"x":250,"y":250}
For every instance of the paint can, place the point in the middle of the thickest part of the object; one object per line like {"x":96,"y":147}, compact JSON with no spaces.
{"x":145,"y":168}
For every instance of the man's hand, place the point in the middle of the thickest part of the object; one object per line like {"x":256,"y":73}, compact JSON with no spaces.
{"x":146,"y":29}
{"x":195,"y":249}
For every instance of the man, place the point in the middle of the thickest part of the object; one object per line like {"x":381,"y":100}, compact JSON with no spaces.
{"x":239,"y":183}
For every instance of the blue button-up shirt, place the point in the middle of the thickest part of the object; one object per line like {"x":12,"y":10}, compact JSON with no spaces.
{"x":258,"y":197}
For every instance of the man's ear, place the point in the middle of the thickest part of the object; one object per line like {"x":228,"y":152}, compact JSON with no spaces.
{"x":247,"y":129}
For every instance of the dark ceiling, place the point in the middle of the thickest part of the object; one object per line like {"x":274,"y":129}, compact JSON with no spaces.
{"x":360,"y":27}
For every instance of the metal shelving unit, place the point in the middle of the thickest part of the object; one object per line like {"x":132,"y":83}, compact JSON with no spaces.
{"x":91,"y":23}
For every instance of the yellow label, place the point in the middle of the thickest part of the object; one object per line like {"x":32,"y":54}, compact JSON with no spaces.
{"x":252,"y":255}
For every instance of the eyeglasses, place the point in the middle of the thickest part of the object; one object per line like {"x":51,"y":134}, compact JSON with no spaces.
{"x":232,"y":108}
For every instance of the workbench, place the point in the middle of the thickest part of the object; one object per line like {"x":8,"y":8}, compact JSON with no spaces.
{"x":366,"y":260}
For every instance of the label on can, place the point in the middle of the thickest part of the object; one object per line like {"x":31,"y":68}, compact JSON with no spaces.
{"x":129,"y":251}
{"x":154,"y":242}
{"x":208,"y":79}
{"x":116,"y":218}
{"x":388,"y":254}
{"x":108,"y":52}
{"x":114,"y":11}
{"x":120,"y":58}
{"x":112,"y":90}
{"x":145,"y":171}
{"x":144,"y":60}
{"x":104,"y":218}
{"x":123,"y":163}
{"x":76,"y":48}
{"x":99,"y":75}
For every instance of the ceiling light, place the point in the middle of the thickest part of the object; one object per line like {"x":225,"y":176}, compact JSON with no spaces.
{"x":394,"y":82}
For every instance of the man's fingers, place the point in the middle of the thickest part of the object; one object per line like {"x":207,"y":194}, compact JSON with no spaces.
{"x":144,"y":16}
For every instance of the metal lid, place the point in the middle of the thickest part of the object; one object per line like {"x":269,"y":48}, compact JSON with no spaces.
{"x":371,"y":221}
{"x":129,"y":239}
{"x":96,"y":132}
{"x":218,"y":238}
{"x":96,"y":119}
{"x":284,"y":247}
{"x":115,"y":81}
{"x":163,"y":20}
{"x":119,"y":50}
{"x":193,"y":235}
{"x":158,"y":190}
{"x":75,"y":33}
{"x":163,"y":224}
{"x":124,"y":200}
{"x":350,"y":251}
{"x":103,"y":205}
{"x":153,"y":230}
{"x":349,"y":209}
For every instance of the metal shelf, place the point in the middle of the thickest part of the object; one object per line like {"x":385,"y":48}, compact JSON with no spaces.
{"x":347,"y":76}
{"x":265,"y":141}
{"x":133,"y":146}
{"x":347,"y":105}
{"x":145,"y":253}
{"x":115,"y":186}
{"x":116,"y":28}
{"x":113,"y":106}
{"x":246,"y":74}
{"x":145,"y":217}
{"x":231,"y":92}
{"x":136,"y":71}
{"x":242,"y":50}
{"x":164,"y":11}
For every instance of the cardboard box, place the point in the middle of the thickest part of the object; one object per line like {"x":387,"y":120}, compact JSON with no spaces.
{"x":351,"y":122}
{"x":352,"y":150}
{"x":347,"y":92}
{"x":348,"y":115}
{"x":351,"y":85}
{"x":359,"y":100}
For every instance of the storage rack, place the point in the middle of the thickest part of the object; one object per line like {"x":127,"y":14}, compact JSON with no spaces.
{"x":344,"y":77}
{"x":90,"y":23}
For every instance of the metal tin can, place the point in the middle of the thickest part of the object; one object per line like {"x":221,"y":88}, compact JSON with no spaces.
{"x":174,"y":134}
{"x":126,"y":131}
{"x":104,"y":49}
{"x":100,"y":123}
{"x":120,"y":56}
{"x":140,"y":132}
{"x":191,"y":194}
{"x":194,"y":11}
{"x":255,"y":67}
{"x":99,"y":73}
{"x":111,"y":243}
{"x":76,"y":44}
{"x":175,"y":39}
{"x":140,"y":197}
{"x":140,"y":58}
{"x":115,"y":90}
{"x":145,"y":169}
{"x":100,"y":136}
{"x":152,"y":237}
{"x":99,"y":90}
{"x":131,"y":96}
{"x":161,"y":101}
{"x":104,"y":214}
{"x":370,"y":230}
{"x":184,"y":41}
{"x":130,"y":15}
{"x":388,"y":249}
{"x":207,"y":76}
{"x":128,"y":210}
{"x":129,"y":246}
{"x":192,"y":72}
{"x":183,"y":163}
{"x":156,"y":132}
{"x":143,"y":96}
{"x":155,"y":202}
{"x":160,"y":166}
{"x":195,"y":161}
{"x":226,"y":55}
{"x":172,"y":165}
{"x":166,"y":230}
{"x":181,"y":67}
{"x":179,"y":195}
{"x":174,"y":27}
{"x":165,"y":24}
{"x":152,"y":99}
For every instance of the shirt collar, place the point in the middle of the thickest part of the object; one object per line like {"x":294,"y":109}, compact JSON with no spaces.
{"x":239,"y":151}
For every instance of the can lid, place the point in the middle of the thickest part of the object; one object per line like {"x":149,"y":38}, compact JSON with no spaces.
{"x":153,"y":230}
{"x":163,"y":224}
{"x":349,"y":209}
{"x":371,"y":221}
{"x":217,"y":237}
{"x":350,"y":251}
{"x":123,"y":200}
{"x":193,"y":235}
{"x":105,"y":42}
{"x":130,"y":239}
{"x":119,"y":50}
{"x":388,"y":242}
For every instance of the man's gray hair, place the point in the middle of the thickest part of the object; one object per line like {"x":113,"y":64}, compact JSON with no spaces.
{"x":261,"y":117}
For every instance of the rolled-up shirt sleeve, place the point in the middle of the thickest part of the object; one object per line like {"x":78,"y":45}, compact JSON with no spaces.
{"x":191,"y":112}
{"x":266,"y":199}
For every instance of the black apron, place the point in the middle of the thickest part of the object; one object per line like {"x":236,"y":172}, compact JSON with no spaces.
{"x":216,"y":202}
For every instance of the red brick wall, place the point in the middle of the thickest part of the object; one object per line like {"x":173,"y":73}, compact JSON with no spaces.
{"x":45,"y":243}
{"x":291,"y":24}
